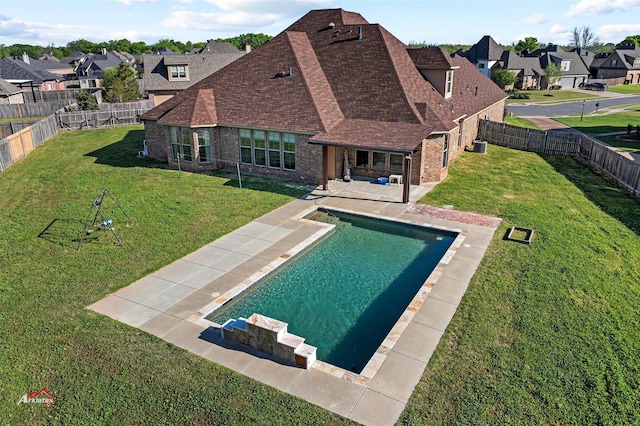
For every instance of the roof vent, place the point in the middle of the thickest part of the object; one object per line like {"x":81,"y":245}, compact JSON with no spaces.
{"x":328,"y":27}
{"x":284,"y":74}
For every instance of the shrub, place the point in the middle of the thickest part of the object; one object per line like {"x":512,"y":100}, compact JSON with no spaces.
{"x":86,"y":102}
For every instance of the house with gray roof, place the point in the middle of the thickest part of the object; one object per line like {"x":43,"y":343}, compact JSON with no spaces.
{"x":484,"y":54}
{"x":166,"y":75}
{"x":622,"y":66}
{"x":10,"y":94}
{"x":89,"y":72}
{"x":29,"y":75}
{"x":330,"y":86}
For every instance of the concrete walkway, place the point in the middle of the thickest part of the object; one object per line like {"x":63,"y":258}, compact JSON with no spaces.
{"x":172,"y":302}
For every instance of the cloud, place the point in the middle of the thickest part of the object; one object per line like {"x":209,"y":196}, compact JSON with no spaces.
{"x":617,"y":31}
{"x":536,"y":19}
{"x":277,"y":7}
{"x":600,"y":7}
{"x":217,"y":21}
{"x":39,"y":33}
{"x":130,"y":2}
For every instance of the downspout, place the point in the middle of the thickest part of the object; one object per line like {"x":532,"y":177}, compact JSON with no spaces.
{"x":406,"y":178}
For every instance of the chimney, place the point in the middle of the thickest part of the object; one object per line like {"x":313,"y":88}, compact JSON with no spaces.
{"x":25,"y":58}
{"x":247,"y":47}
{"x":103,"y":51}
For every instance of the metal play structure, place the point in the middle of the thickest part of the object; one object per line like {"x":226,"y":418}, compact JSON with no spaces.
{"x":100,"y":217}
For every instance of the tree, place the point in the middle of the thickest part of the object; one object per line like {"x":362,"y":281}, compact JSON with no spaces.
{"x":254,"y":40}
{"x":529,"y":43}
{"x":584,"y":38}
{"x":86,"y":102}
{"x":552,"y":75}
{"x":503,"y":77}
{"x":120,"y":83}
{"x":632,"y":39}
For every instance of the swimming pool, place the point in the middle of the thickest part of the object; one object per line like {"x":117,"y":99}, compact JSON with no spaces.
{"x":345,"y":293}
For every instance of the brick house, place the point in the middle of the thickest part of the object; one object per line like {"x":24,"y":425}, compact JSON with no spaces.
{"x":329,"y":83}
{"x":622,"y":66}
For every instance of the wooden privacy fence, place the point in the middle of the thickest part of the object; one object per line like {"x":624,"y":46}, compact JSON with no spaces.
{"x":625,"y":171}
{"x":40,"y":109}
{"x":18,"y":145}
{"x":109,"y":115}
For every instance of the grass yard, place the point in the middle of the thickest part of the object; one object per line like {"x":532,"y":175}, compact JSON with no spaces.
{"x":520,"y":122}
{"x":547,"y":333}
{"x":629,"y":89}
{"x":102,"y":372}
{"x":607,"y":123}
{"x":557,"y":96}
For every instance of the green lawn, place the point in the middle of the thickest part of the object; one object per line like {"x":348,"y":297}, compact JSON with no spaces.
{"x":630,"y":89}
{"x":100,"y":371}
{"x":607,"y":123}
{"x":541,"y":97}
{"x":520,"y":122}
{"x":547,"y":333}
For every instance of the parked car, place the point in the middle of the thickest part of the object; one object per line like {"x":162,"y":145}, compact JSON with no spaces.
{"x":594,"y":86}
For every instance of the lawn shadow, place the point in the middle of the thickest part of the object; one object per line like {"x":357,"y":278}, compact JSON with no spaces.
{"x":256,"y":182}
{"x":70,"y":233}
{"x":124,"y":153}
{"x":615,"y":201}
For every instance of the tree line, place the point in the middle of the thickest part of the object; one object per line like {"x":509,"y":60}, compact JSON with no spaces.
{"x":124,"y":45}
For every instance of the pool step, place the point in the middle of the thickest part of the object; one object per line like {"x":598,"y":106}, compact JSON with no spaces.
{"x":270,"y":335}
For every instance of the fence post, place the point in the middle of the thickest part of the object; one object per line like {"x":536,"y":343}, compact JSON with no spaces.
{"x":504,"y":130}
{"x":544,"y":143}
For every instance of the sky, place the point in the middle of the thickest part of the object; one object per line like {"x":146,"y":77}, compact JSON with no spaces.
{"x":49,"y":22}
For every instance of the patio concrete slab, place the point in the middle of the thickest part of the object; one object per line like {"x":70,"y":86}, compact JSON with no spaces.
{"x":171,"y":302}
{"x":449,"y":290}
{"x":326,"y":391}
{"x":435,"y":313}
{"x":398,"y":376}
{"x":375,"y":409}
{"x":418,"y":341}
{"x":137,"y":315}
{"x":160,"y":324}
{"x":274,"y":374}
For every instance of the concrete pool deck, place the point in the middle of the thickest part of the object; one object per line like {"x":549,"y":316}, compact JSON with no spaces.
{"x":171,"y":303}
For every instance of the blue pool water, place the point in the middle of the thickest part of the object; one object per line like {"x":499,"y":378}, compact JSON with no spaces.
{"x":345,"y":294}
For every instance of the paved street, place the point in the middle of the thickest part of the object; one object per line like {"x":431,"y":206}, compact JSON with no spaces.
{"x":572,"y":108}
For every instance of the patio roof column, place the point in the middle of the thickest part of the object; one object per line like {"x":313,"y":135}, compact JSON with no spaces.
{"x":325,"y":161}
{"x":406,"y":178}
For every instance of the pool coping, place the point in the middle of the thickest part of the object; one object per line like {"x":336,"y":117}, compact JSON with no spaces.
{"x":171,"y":303}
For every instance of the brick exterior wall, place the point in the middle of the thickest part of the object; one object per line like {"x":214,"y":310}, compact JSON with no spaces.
{"x":225,"y":149}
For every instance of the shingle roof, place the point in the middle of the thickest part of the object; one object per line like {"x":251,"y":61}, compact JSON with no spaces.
{"x":219,"y":47}
{"x":485,"y":49}
{"x":529,"y":66}
{"x":576,"y":65}
{"x":17,"y":69}
{"x":200,"y":66}
{"x":7,"y":89}
{"x":350,"y":83}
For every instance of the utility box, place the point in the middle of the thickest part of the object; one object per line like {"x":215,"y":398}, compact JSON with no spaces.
{"x":480,"y":147}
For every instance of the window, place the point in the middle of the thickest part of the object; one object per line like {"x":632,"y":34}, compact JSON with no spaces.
{"x":564,"y":65}
{"x":395,"y":163}
{"x":268,"y":149}
{"x":245,"y":147}
{"x":274,"y":150}
{"x":180,"y":143}
{"x":289,"y":149}
{"x":449,"y":84}
{"x":379,"y":161}
{"x":481,"y":65}
{"x":259,"y":148}
{"x":177,"y":72}
{"x":204,"y":145}
{"x":445,"y":152}
{"x":614,"y":62}
{"x":362,"y":158}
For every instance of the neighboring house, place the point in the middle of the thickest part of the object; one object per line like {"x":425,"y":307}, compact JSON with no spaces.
{"x":29,"y":76}
{"x":90,"y":71}
{"x":527,"y":69}
{"x":330,"y":83}
{"x":622,"y":65}
{"x":166,"y":75}
{"x":10,"y":94}
{"x":487,"y":55}
{"x":484,"y":54}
